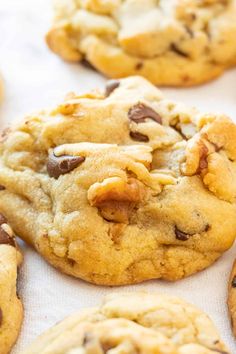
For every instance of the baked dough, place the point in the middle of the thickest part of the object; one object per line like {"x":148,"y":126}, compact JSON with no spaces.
{"x":122,"y":186}
{"x":133,"y":323}
{"x":178,"y":43}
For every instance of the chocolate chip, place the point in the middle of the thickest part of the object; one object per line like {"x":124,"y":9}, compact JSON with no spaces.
{"x":185,"y":78}
{"x":178,"y":51}
{"x":1,"y":316}
{"x":140,"y":112}
{"x":139,"y":66}
{"x":3,"y":220}
{"x":2,"y":188}
{"x":86,"y":339}
{"x":6,"y":239}
{"x":111,"y":85}
{"x":234,"y":282}
{"x":139,"y":137}
{"x":180,"y":235}
{"x":71,"y":262}
{"x":60,"y":165}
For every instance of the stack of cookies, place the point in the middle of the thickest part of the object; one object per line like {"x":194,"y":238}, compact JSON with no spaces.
{"x":122,"y":185}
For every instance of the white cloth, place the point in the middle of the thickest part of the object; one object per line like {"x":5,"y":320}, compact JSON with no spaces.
{"x":35,"y":78}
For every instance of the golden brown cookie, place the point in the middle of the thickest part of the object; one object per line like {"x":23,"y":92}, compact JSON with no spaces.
{"x":11,"y":311}
{"x":122,"y":186}
{"x":133,"y":323}
{"x":232,"y":297}
{"x":181,"y":43}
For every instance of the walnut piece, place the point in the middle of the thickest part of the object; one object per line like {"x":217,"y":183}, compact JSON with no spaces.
{"x":116,"y":197}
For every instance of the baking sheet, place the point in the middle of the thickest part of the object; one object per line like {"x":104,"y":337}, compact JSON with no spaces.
{"x":36,"y":79}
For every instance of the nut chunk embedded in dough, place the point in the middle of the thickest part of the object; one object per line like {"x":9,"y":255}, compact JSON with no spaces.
{"x":115,"y":197}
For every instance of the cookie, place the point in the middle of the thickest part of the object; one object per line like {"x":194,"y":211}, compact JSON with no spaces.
{"x":133,"y":323}
{"x":11,"y":311}
{"x":232,"y":298}
{"x":181,"y":44}
{"x":122,"y":186}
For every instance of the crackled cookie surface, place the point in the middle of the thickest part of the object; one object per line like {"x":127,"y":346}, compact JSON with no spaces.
{"x":232,"y":298}
{"x":11,"y":311}
{"x":122,"y":186}
{"x":133,"y":323}
{"x":181,"y":42}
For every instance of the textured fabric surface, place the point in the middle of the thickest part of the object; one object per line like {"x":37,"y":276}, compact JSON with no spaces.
{"x":35,"y":79}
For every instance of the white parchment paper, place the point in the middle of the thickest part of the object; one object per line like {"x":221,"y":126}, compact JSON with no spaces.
{"x":35,"y":79}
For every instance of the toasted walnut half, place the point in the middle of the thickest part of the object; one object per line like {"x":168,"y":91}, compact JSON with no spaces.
{"x":197,"y":152}
{"x":212,"y":155}
{"x":220,"y":177}
{"x":115,"y":197}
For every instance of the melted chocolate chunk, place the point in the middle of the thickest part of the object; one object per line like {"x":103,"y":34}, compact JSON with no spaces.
{"x":139,"y":66}
{"x":140,"y":112}
{"x":6,"y":239}
{"x":3,"y":220}
{"x":180,"y":235}
{"x":234,"y":282}
{"x":139,"y":137}
{"x":60,"y":165}
{"x":111,"y":86}
{"x":2,"y":188}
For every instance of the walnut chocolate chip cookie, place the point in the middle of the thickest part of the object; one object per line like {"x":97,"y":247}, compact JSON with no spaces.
{"x":121,"y":186}
{"x":11,"y":311}
{"x":232,"y":298}
{"x":180,"y":43}
{"x":133,"y":323}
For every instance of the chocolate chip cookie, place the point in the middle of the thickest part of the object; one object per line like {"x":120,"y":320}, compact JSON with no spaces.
{"x":133,"y":323}
{"x":179,"y":43}
{"x":232,"y":298}
{"x":11,"y":311}
{"x":122,"y":185}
